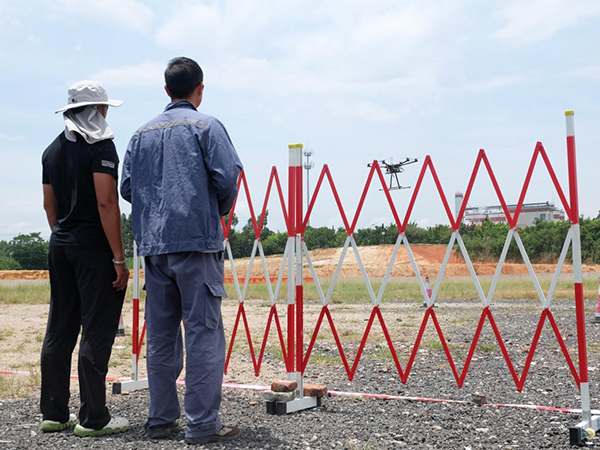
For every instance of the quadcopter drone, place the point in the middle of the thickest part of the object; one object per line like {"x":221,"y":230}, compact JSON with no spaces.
{"x":393,"y":169}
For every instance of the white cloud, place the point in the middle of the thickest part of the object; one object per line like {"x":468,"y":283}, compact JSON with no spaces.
{"x":320,"y":37}
{"x":363,"y":109}
{"x":19,"y":228}
{"x":13,"y":138}
{"x":407,"y":26}
{"x":20,"y":205}
{"x":591,"y":71}
{"x":386,"y":55}
{"x":530,"y":21}
{"x":132,"y":14}
{"x":145,"y":74}
{"x":424,"y":222}
{"x":33,"y":39}
{"x":264,"y":76}
{"x":497,"y":83}
{"x":222,"y":24}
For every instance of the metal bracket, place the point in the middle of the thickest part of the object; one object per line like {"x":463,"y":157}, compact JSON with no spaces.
{"x":300,"y":404}
{"x":583,"y":431}
{"x":119,"y":387}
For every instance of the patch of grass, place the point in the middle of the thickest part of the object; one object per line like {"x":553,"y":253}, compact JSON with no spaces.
{"x":123,"y":353}
{"x":6,"y":333}
{"x":461,"y":320}
{"x":25,"y":294}
{"x":39,"y":294}
{"x":352,"y":291}
{"x":487,"y":347}
{"x":20,"y":386}
{"x":460,"y":355}
{"x":384,"y":352}
{"x":21,"y":347}
{"x":353,"y":445}
{"x":350,"y":334}
{"x":324,"y":359}
{"x":276,"y":352}
{"x":593,"y":347}
{"x":433,"y":344}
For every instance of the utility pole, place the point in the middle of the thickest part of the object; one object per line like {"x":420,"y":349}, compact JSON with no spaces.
{"x":308,"y":165}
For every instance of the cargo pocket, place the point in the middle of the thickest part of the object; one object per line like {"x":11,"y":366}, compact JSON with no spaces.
{"x":212,"y":311}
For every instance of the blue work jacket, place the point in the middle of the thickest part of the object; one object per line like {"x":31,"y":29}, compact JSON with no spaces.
{"x":180,"y":175}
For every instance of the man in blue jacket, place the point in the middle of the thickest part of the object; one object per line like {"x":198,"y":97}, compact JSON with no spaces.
{"x":180,"y":175}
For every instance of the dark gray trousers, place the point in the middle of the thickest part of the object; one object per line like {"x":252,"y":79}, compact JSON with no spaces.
{"x":185,"y":286}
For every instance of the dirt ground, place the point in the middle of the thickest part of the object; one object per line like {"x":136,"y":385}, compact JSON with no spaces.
{"x":375,"y":259}
{"x":22,"y":326}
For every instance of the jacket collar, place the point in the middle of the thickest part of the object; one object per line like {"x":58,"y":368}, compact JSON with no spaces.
{"x":180,"y":104}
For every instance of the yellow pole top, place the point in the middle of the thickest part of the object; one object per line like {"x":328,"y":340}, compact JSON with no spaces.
{"x":295,"y":146}
{"x":569,"y":112}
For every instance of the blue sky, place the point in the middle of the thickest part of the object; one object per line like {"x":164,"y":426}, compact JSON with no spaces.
{"x":356,"y":80}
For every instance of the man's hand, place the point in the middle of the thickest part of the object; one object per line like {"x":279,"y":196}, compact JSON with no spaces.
{"x":122,"y":277}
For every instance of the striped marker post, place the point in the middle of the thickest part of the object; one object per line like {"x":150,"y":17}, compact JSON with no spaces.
{"x":135,"y":383}
{"x":428,"y":289}
{"x":589,"y":425}
{"x":597,"y":313}
{"x":295,"y":319}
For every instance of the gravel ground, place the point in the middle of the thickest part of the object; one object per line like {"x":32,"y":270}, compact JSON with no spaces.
{"x":356,"y":423}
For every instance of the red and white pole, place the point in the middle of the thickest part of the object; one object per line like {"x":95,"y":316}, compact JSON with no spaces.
{"x":597,"y":313}
{"x":294,"y":362}
{"x":299,"y":275}
{"x":135,"y":329}
{"x":577,"y":270}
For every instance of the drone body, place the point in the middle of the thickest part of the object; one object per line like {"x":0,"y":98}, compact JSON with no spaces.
{"x":393,"y":169}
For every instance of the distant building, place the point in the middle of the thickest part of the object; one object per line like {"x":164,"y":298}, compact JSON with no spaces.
{"x":530,"y":212}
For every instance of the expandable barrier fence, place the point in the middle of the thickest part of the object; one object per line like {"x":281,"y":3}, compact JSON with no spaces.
{"x":292,"y":342}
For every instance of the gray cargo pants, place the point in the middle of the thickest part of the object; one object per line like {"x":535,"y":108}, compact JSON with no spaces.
{"x":185,"y":286}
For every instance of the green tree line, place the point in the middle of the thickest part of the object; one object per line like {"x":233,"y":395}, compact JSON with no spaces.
{"x":543,"y":241}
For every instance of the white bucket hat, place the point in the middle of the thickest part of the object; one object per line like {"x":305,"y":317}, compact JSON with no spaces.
{"x":88,"y":92}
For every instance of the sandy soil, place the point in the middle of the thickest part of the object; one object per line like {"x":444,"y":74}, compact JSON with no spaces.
{"x":375,"y":259}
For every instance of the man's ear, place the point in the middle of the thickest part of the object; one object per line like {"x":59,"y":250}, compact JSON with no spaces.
{"x":167,"y":91}
{"x":201,"y":88}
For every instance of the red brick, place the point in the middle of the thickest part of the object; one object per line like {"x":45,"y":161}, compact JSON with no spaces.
{"x":315,"y":390}
{"x":478,"y":399}
{"x":284,"y":386}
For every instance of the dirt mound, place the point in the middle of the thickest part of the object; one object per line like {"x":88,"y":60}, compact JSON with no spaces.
{"x":23,"y":274}
{"x":375,"y":259}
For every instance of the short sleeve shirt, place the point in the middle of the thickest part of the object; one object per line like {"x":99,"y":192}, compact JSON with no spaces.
{"x":69,"y":167}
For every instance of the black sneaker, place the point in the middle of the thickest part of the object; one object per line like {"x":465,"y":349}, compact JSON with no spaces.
{"x":162,"y":431}
{"x":227,"y":433}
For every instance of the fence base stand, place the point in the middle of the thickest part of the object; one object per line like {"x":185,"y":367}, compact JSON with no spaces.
{"x":129,"y":386}
{"x":583,"y":431}
{"x":300,"y":404}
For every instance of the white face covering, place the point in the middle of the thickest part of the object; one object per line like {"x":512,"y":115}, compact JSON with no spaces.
{"x":89,"y":123}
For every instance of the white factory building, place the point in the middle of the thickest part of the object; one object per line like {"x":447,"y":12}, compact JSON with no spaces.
{"x":530,"y":212}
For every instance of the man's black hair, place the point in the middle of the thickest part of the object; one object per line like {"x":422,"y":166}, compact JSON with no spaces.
{"x":182,"y":76}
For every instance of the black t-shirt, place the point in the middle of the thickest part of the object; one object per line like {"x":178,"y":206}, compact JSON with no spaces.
{"x":69,"y":167}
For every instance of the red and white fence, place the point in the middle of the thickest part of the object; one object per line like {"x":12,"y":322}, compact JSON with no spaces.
{"x":292,"y":340}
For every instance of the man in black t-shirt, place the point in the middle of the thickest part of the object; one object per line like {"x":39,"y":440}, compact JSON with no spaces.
{"x":88,"y":273}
